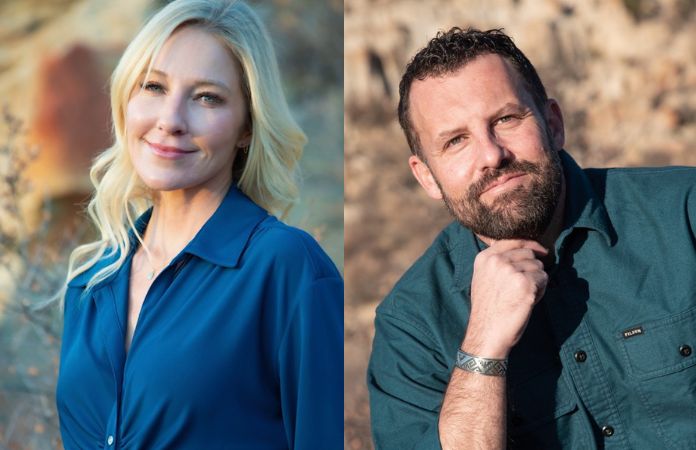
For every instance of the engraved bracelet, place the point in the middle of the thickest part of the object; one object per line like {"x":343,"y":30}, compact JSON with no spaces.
{"x":484,"y":366}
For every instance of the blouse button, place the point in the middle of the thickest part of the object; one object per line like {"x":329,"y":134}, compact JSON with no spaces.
{"x":580,"y":356}
{"x":110,"y":440}
{"x":685,"y":350}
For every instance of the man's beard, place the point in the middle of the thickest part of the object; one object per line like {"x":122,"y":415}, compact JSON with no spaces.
{"x":524,"y":212}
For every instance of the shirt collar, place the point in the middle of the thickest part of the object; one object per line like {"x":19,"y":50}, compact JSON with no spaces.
{"x":223,"y":238}
{"x":583,"y":209}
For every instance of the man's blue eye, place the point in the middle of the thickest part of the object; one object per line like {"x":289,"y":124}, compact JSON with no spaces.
{"x":454,"y":141}
{"x":506,"y":119}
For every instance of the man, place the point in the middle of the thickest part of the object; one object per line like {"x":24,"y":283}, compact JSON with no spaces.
{"x":559,"y":309}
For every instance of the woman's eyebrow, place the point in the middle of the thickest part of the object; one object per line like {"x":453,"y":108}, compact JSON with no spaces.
{"x":195,"y":82}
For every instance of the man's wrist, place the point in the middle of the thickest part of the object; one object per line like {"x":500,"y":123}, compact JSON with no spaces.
{"x":484,"y":366}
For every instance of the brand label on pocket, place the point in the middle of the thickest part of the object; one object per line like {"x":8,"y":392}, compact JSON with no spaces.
{"x":635,"y":331}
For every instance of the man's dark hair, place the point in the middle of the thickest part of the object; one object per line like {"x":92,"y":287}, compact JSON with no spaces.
{"x":451,"y":50}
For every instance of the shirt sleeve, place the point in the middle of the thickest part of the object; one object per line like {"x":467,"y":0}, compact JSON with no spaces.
{"x":406,"y":385}
{"x":311,"y":367}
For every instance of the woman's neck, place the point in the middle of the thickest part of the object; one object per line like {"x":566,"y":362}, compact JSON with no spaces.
{"x":177,"y":216}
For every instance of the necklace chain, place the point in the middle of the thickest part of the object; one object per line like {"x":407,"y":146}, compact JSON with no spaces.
{"x":150,"y":274}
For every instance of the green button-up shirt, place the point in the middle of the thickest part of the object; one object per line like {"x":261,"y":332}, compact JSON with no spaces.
{"x":608,"y":359}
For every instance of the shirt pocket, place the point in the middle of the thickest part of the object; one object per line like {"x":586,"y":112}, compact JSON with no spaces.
{"x":660,"y":361}
{"x":539,"y":406}
{"x":660,"y":347}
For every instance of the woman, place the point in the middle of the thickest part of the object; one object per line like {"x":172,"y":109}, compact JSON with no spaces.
{"x":198,"y":320}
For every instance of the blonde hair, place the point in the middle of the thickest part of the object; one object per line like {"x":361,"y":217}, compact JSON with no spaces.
{"x":267,"y":174}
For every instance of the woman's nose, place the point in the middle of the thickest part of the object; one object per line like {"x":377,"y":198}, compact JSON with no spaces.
{"x":171,"y":117}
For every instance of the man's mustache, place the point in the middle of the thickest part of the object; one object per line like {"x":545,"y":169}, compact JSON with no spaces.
{"x":492,"y":175}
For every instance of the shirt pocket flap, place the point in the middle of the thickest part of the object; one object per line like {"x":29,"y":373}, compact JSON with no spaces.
{"x":660,"y":347}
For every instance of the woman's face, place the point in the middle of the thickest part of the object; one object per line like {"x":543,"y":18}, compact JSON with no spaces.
{"x":186,"y":124}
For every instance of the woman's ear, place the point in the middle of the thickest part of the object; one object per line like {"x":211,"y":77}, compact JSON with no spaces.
{"x":244,"y":138}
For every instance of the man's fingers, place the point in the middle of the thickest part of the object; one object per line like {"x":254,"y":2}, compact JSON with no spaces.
{"x":540,"y":279}
{"x":520,"y":254}
{"x":528,"y":265}
{"x":505,"y":245}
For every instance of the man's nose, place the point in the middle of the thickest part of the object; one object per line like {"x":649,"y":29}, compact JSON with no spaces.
{"x":171,"y":118}
{"x":492,"y":154}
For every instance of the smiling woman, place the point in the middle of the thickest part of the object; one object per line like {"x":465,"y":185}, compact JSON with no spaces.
{"x":184,"y":126}
{"x":198,"y":319}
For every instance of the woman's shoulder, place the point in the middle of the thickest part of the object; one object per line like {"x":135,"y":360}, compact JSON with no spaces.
{"x":290,"y":248}
{"x":82,"y":279}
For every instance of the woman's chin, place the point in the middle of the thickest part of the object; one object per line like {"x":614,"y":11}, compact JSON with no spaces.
{"x":165,"y":185}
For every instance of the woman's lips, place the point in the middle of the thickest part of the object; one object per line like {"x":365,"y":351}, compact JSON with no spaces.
{"x":167,"y":152}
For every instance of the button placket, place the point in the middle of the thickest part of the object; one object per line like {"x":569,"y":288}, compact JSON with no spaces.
{"x":608,"y":430}
{"x":587,"y":377}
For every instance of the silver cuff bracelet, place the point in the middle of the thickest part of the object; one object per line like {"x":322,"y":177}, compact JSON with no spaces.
{"x":484,"y":366}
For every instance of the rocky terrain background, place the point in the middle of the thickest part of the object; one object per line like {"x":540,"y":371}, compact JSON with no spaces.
{"x":624,"y":72}
{"x":55,"y":60}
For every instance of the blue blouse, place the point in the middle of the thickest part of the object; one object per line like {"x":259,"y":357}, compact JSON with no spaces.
{"x":239,"y":344}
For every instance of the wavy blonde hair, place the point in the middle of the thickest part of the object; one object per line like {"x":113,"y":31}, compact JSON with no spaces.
{"x":266,"y":173}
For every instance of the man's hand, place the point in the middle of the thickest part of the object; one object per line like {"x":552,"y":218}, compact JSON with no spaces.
{"x":508,"y":280}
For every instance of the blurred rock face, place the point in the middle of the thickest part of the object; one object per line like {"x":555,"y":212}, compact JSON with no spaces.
{"x":56,"y":59}
{"x":624,"y":72}
{"x":71,"y":120}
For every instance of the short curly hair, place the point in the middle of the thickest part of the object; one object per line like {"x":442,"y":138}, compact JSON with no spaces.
{"x":451,"y":50}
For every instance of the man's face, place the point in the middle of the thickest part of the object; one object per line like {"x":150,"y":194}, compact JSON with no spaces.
{"x":487,"y":150}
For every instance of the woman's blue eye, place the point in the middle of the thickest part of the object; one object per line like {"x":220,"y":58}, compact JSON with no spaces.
{"x":210,"y":98}
{"x":152,"y":86}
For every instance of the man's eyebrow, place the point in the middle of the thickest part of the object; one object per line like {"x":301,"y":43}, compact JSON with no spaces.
{"x":443,"y":135}
{"x":197,"y":82}
{"x":506,"y":108}
{"x":512,"y":107}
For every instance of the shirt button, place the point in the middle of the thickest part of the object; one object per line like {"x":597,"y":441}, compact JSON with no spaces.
{"x":685,"y":350}
{"x":580,"y":356}
{"x":608,"y":431}
{"x":110,"y":440}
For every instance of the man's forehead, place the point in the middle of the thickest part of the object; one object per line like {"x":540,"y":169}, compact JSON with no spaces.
{"x":487,"y":70}
{"x":482,"y":85}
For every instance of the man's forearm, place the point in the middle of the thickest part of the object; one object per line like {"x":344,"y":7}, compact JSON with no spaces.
{"x":507,"y":282}
{"x":473,"y":412}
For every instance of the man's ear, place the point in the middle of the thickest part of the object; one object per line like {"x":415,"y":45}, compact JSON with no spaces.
{"x":554,"y":123}
{"x":425,"y":177}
